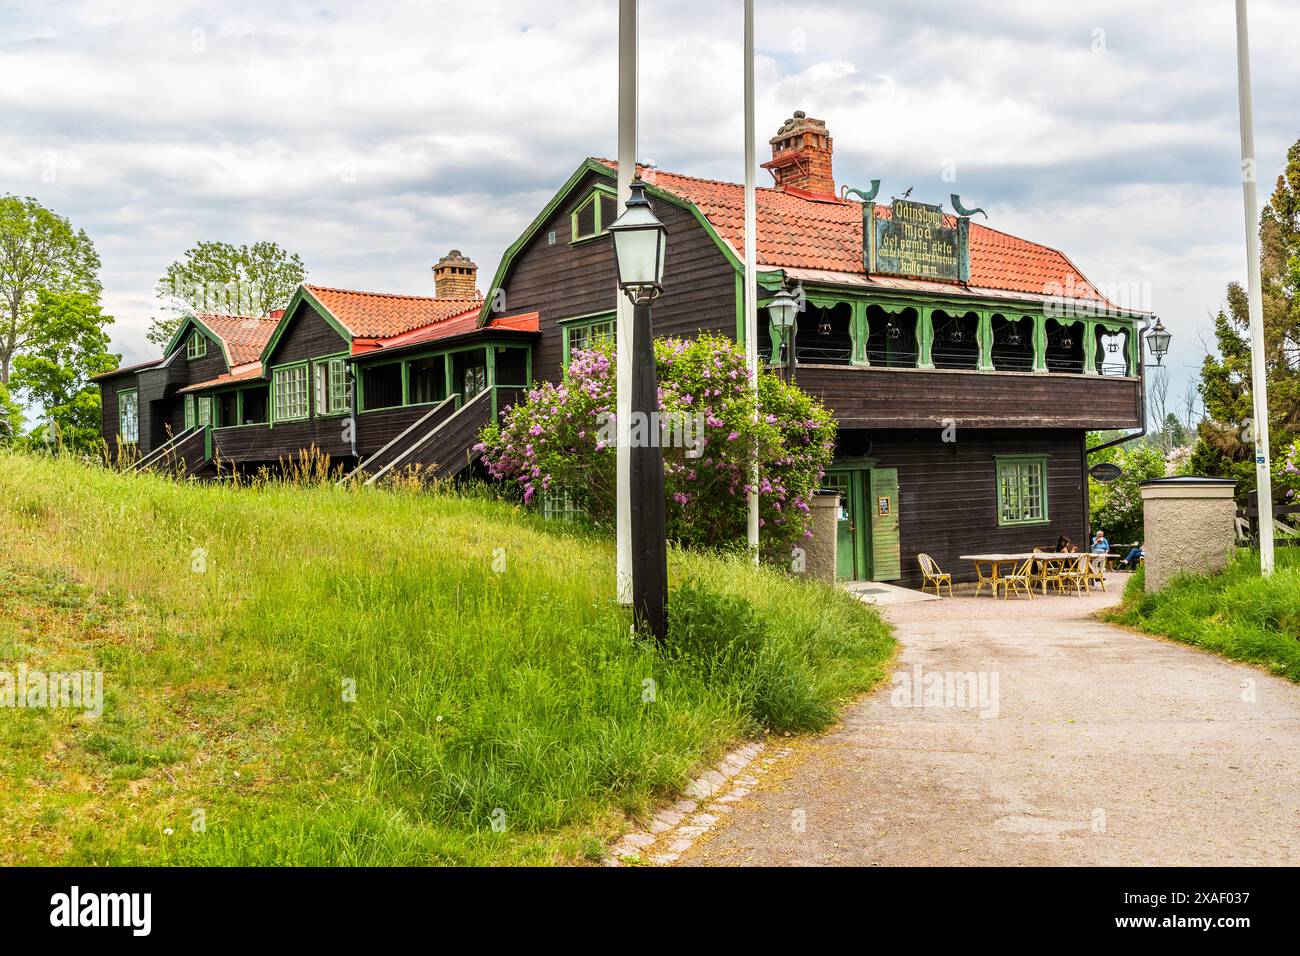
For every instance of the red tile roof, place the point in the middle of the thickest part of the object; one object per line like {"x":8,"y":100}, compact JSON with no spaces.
{"x":382,"y":315}
{"x":803,"y":232}
{"x":250,"y":372}
{"x":244,"y":335}
{"x":462,"y":324}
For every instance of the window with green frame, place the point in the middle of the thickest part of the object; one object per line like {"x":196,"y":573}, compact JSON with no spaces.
{"x":290,"y":386}
{"x":592,"y":216}
{"x":583,"y":335}
{"x":1022,"y":490}
{"x":128,"y":415}
{"x":203,"y":411}
{"x":333,"y":393}
{"x":197,"y":347}
{"x":189,"y":412}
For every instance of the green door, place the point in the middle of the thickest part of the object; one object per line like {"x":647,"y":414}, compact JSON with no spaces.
{"x":883,"y":503}
{"x":844,"y":552}
{"x":852,"y":553}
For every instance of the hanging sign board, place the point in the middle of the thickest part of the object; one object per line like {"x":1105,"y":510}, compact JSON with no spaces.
{"x":1105,"y":471}
{"x":913,"y":241}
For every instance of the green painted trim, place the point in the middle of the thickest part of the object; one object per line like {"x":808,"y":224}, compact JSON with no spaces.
{"x":999,"y":463}
{"x":740,"y":308}
{"x":925,"y":337}
{"x":859,"y":333}
{"x":207,"y":442}
{"x":1040,"y":342}
{"x":405,"y":367}
{"x":985,"y":335}
{"x":301,"y":295}
{"x":448,"y":366}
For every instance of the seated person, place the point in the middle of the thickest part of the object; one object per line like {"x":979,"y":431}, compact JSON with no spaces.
{"x":1065,"y":546}
{"x":1099,"y":543}
{"x":1134,"y":556}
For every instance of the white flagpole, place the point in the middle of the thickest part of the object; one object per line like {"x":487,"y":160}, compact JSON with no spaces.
{"x":751,"y":263}
{"x":627,"y":105}
{"x":1258,"y":383}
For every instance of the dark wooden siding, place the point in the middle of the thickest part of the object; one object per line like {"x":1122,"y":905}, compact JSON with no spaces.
{"x":901,"y":398}
{"x":376,"y":429}
{"x":264,"y":444}
{"x":948,"y":496}
{"x":561,"y":281}
{"x":308,"y":336}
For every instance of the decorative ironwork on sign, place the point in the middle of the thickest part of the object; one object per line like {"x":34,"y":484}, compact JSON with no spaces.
{"x":914,"y":241}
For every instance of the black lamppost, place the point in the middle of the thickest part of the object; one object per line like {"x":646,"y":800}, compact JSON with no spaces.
{"x":640,"y":240}
{"x":1158,"y":341}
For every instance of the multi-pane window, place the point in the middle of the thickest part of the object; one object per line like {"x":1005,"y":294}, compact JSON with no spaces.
{"x":333,"y":395}
{"x":128,"y":415}
{"x":203,"y":417}
{"x":189,"y":412}
{"x":1022,"y":490}
{"x":586,"y":336}
{"x":197,"y":346}
{"x":290,"y":388}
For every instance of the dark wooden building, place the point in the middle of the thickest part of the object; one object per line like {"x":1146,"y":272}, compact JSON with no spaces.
{"x":964,"y":365}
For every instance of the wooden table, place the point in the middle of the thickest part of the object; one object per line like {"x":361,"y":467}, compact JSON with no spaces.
{"x":996,"y":560}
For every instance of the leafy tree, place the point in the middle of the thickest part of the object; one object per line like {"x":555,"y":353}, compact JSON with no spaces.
{"x":226,"y":279}
{"x":68,"y":344}
{"x":1225,"y":443}
{"x":39,"y":250}
{"x":1173,"y":433}
{"x":1117,"y":506}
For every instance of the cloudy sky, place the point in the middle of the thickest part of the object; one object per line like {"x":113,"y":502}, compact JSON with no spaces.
{"x":371,"y":137}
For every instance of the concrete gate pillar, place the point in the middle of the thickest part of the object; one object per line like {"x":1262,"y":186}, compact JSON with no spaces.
{"x":819,"y":550}
{"x":1189,"y":526}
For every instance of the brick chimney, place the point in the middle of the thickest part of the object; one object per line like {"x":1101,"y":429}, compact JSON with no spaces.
{"x":801,"y":156}
{"x":455,"y":277}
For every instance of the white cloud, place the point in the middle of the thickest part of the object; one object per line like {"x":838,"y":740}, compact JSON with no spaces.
{"x":372,"y":137}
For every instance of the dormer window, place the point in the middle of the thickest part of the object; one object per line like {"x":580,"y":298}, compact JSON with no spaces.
{"x":591,"y":217}
{"x":197,"y":347}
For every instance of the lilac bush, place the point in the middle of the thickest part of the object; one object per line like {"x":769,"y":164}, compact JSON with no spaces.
{"x":561,"y":439}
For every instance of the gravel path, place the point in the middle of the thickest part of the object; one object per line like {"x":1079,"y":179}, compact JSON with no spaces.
{"x":1100,"y":746}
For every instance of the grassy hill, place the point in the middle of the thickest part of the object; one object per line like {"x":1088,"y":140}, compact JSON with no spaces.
{"x":1237,"y":613}
{"x":309,"y":675}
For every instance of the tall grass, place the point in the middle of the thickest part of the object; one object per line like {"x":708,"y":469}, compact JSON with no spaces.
{"x":1238,"y":613}
{"x":372,"y":676}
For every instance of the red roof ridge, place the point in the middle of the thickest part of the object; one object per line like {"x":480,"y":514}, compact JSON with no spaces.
{"x":390,"y":295}
{"x":799,"y":193}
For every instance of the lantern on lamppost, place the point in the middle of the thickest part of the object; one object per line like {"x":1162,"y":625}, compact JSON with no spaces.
{"x":782,"y":309}
{"x":1158,"y":341}
{"x":640,"y":242}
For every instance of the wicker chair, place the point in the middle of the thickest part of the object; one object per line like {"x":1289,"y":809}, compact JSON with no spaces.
{"x":1021,"y":580}
{"x":1075,"y":575}
{"x":931,"y":574}
{"x":1097,"y":571}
